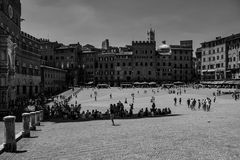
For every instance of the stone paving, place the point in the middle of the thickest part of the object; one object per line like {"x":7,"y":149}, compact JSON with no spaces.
{"x":192,"y":135}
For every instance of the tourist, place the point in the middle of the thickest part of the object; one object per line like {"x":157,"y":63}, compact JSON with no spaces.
{"x":175,"y":101}
{"x":112,"y":111}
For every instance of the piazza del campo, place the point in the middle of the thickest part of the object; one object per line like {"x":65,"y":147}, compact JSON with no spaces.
{"x":148,"y":99}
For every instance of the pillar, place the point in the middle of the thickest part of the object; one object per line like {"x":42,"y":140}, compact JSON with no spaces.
{"x":41,"y":115}
{"x":32,"y":119}
{"x":26,"y":124}
{"x":10,"y":144}
{"x":37,"y":118}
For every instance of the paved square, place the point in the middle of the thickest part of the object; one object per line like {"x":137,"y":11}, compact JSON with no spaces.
{"x":192,"y":135}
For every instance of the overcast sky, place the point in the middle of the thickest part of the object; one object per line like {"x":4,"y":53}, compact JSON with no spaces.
{"x":121,"y":21}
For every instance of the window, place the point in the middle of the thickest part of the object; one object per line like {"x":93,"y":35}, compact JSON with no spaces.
{"x":149,"y":72}
{"x":138,"y":72}
{"x":118,"y":64}
{"x":146,"y":64}
{"x":18,"y":91}
{"x":124,"y":64}
{"x":204,"y":59}
{"x":151,"y":64}
{"x":136,"y":63}
{"x":36,"y":89}
{"x":24,"y":89}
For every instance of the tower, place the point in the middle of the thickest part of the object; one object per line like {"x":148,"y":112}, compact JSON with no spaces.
{"x":151,"y":35}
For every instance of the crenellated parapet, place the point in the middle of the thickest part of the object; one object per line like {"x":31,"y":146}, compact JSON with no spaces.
{"x":143,"y":43}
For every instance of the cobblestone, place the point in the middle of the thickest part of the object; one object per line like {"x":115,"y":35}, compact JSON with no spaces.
{"x":192,"y":135}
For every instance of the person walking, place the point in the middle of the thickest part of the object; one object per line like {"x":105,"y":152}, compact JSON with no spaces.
{"x":112,"y":112}
{"x":175,"y":101}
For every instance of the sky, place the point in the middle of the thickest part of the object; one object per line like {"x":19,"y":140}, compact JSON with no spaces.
{"x":122,"y":21}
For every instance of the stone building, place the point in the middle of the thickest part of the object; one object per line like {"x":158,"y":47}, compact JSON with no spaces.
{"x":88,"y":63}
{"x":28,"y":78}
{"x":123,"y":67}
{"x":182,"y":61}
{"x":105,"y":68}
{"x":163,"y":63}
{"x":53,"y":80}
{"x":68,"y":58}
{"x":233,"y":61}
{"x":197,"y":66}
{"x":10,"y":27}
{"x":143,"y":60}
{"x":214,"y":56}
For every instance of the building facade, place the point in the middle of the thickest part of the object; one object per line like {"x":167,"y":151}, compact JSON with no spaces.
{"x":140,"y":62}
{"x":53,"y":80}
{"x":68,"y":58}
{"x":28,"y":78}
{"x":233,"y":61}
{"x":10,"y":27}
{"x":214,"y":56}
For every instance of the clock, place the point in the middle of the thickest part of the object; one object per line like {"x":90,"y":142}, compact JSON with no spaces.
{"x":10,"y":11}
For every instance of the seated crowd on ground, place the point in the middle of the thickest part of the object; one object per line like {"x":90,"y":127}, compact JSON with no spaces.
{"x":62,"y":110}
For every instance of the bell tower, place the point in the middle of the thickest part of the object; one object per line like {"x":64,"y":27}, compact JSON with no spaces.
{"x":151,"y":35}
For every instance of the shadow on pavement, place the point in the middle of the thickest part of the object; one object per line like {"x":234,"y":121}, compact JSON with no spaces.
{"x":17,"y":152}
{"x":33,"y":137}
{"x":126,"y":118}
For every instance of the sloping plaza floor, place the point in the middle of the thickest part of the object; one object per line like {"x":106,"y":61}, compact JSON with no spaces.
{"x":191,"y":135}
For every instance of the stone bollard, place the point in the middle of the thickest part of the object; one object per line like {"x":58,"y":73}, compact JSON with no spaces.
{"x":38,"y":118}
{"x":26,"y":124}
{"x":32,"y":119}
{"x":10,"y":141}
{"x":41,"y":115}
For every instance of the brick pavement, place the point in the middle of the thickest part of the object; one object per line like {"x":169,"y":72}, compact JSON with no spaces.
{"x":193,"y":135}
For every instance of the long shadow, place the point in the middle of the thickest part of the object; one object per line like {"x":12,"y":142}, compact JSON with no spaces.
{"x":125,"y":118}
{"x":23,"y":151}
{"x":17,"y":152}
{"x":33,"y":137}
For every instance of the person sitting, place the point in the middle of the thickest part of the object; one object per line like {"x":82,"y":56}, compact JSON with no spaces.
{"x":83,"y":116}
{"x":159,"y":111}
{"x":146,"y":112}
